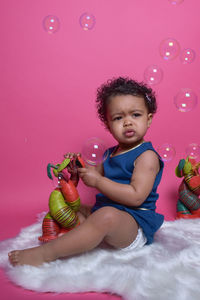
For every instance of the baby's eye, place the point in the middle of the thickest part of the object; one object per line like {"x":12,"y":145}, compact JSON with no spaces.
{"x":136,"y":115}
{"x":117,"y":118}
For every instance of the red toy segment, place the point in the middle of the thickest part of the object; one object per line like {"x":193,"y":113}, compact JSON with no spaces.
{"x":80,"y":162}
{"x":69,"y":190}
{"x":50,"y":230}
{"x":194,"y":184}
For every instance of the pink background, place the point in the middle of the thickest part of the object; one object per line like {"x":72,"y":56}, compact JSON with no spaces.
{"x":48,"y":86}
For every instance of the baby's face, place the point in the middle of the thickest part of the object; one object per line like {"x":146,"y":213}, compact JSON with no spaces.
{"x":128,"y":119}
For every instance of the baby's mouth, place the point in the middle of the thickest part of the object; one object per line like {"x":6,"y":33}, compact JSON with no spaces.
{"x":129,"y":133}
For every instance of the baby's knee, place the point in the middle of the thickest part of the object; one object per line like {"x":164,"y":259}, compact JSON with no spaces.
{"x":108,"y":216}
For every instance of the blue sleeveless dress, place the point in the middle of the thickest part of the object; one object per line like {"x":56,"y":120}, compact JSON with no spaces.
{"x":119,"y":169}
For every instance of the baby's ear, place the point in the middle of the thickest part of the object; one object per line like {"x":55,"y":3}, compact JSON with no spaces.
{"x":150,"y":117}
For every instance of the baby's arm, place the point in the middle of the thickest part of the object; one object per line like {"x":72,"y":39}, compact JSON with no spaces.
{"x":133,"y":194}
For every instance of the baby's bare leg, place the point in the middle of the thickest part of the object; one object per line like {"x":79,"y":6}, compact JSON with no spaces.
{"x":84,"y":213}
{"x":116,"y":227}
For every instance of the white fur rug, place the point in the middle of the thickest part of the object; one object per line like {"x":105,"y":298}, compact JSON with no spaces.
{"x":167,"y":269}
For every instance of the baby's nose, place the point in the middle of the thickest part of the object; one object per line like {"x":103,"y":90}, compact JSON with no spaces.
{"x":127,"y":122}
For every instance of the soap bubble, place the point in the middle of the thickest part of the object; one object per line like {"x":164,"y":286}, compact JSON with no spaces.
{"x":153,"y":75}
{"x":87,"y":21}
{"x":169,"y":49}
{"x":51,"y":24}
{"x":185,"y":100}
{"x":94,"y":151}
{"x":187,"y":56}
{"x":167,"y":152}
{"x":193,"y":151}
{"x":176,"y":1}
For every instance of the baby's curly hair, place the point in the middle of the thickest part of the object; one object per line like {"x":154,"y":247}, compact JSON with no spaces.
{"x":123,"y":86}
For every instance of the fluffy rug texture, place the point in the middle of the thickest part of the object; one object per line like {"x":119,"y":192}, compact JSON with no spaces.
{"x":167,"y":269}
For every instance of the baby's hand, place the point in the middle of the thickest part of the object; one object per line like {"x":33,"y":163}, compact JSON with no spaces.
{"x":89,"y":175}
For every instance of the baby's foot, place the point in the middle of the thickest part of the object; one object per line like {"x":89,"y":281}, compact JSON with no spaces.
{"x":32,"y":256}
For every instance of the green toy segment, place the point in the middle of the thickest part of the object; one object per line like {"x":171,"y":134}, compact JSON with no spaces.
{"x":55,"y":170}
{"x":64,"y":164}
{"x":75,"y":205}
{"x":187,"y":167}
{"x":56,"y":202}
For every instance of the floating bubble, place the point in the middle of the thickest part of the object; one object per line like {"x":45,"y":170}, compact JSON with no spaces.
{"x":153,"y":75}
{"x":51,"y":24}
{"x":185,"y":100}
{"x":176,"y":1}
{"x":87,"y":21}
{"x":187,"y":56}
{"x":193,"y":151}
{"x":169,"y":49}
{"x":167,"y":152}
{"x":94,"y":151}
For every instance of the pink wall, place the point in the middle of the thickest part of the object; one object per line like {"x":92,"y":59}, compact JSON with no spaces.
{"x":48,"y":84}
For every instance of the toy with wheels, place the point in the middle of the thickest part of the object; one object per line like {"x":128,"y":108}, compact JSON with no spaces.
{"x":188,"y":205}
{"x":64,"y":202}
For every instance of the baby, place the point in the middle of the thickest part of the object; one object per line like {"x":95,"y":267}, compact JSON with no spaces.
{"x":124,"y":213}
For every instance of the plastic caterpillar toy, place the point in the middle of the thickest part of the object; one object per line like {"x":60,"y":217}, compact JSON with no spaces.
{"x":188,"y":205}
{"x":64,"y":202}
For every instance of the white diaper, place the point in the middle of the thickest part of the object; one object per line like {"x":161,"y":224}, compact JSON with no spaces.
{"x":139,"y":242}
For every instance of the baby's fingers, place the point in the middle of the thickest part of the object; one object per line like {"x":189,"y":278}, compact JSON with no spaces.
{"x":82,"y":171}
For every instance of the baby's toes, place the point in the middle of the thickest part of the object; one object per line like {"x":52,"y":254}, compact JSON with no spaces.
{"x":14,"y":257}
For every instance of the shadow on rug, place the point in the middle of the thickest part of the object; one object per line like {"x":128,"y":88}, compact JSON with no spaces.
{"x":167,"y":269}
